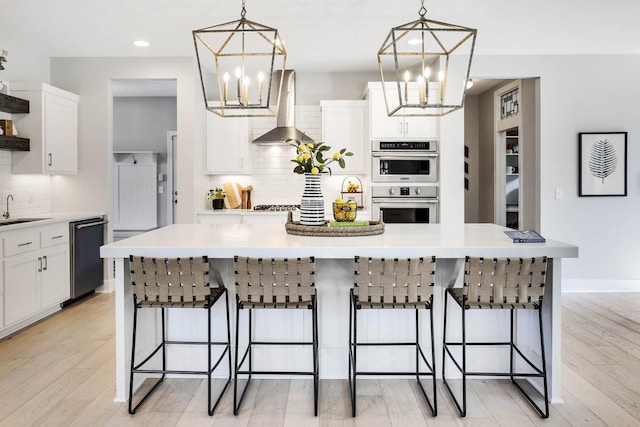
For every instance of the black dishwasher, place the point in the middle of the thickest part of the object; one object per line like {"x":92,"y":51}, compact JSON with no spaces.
{"x":85,"y":239}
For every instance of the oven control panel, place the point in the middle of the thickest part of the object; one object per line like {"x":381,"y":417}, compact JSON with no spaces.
{"x":405,"y":191}
{"x":403,"y":145}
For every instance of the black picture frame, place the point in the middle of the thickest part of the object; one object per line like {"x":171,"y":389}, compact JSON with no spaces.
{"x":602,"y":164}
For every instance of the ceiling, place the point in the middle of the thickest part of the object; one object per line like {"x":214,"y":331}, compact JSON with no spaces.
{"x":319,"y":35}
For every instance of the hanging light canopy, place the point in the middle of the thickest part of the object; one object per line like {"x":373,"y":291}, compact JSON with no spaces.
{"x":236,"y":62}
{"x":424,"y":66}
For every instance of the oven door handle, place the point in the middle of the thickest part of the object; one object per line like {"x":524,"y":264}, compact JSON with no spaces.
{"x":403,"y":155}
{"x":399,"y":202}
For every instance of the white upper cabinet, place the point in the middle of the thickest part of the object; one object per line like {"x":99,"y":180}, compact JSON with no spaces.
{"x":52,"y":127}
{"x":228,"y":149}
{"x":383,"y":126}
{"x":345,"y":125}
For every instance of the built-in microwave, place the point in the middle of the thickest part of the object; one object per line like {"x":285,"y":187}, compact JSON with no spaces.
{"x":404,"y":161}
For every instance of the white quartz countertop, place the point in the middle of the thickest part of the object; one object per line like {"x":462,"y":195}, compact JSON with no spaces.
{"x":271,"y":240}
{"x":46,"y":219}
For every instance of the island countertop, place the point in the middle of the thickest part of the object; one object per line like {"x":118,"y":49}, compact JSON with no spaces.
{"x":398,"y":240}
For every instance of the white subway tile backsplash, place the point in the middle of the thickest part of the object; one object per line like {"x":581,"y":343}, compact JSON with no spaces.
{"x":272,"y":176}
{"x":31,"y":193}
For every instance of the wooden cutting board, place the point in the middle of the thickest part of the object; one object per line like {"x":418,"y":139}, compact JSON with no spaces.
{"x":233,"y":191}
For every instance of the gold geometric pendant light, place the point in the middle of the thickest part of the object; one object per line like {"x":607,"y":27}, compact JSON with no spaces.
{"x":424,"y":67}
{"x":236,"y":61}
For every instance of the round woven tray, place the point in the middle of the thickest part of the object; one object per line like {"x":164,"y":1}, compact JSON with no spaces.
{"x":294,"y":227}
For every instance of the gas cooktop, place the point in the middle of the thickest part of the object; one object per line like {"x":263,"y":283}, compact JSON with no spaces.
{"x":276,"y":207}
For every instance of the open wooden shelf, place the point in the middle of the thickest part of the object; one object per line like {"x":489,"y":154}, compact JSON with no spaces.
{"x":11,"y":104}
{"x":14,"y":143}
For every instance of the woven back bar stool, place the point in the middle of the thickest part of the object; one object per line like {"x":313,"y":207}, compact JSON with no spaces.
{"x":176,"y":283}
{"x":499,"y":284}
{"x":268,"y":284}
{"x":389,"y":284}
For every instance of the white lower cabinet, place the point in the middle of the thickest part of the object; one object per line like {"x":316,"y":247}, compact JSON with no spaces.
{"x":55,"y":275}
{"x":35,"y":274}
{"x":21,"y":287}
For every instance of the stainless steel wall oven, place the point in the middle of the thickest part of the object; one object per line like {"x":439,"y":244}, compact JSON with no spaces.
{"x":402,"y":203}
{"x":404,"y":181}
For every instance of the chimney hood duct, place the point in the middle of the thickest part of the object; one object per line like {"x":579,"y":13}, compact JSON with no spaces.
{"x":285,"y":120}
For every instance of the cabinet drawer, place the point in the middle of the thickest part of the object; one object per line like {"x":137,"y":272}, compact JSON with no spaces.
{"x":54,"y":235}
{"x":21,"y":241}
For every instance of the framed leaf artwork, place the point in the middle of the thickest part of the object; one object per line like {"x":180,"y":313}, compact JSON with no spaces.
{"x":602,"y":164}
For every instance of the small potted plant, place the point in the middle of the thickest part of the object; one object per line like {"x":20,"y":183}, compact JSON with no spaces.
{"x":217,"y":198}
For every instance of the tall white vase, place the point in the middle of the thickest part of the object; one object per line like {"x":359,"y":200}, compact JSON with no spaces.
{"x":312,"y":203}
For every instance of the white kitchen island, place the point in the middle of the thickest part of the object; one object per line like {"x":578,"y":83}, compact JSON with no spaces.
{"x":334,"y":274}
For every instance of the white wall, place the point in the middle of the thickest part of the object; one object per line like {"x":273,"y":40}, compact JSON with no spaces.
{"x":23,"y":64}
{"x":31,"y":193}
{"x":141,"y":123}
{"x":472,"y":143}
{"x":584,"y":94}
{"x":90,"y":78}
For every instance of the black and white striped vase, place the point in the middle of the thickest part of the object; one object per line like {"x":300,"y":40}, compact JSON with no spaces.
{"x":312,"y":203}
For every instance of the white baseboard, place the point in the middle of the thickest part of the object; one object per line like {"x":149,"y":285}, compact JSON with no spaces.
{"x":600,"y":285}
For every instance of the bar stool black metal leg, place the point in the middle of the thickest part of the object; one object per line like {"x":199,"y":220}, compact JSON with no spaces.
{"x":462,"y":409}
{"x":211,"y":407}
{"x":419,"y":354}
{"x":314,"y":315}
{"x":464,"y":360}
{"x":236,"y":401}
{"x":240,"y":360}
{"x":434,"y":411}
{"x":133,"y":409}
{"x":544,"y":366}
{"x":353,"y":354}
{"x":209,"y":370}
{"x":133,"y":354}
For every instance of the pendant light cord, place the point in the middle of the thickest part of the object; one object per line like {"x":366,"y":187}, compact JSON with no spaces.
{"x":422,"y":11}
{"x":244,"y":10}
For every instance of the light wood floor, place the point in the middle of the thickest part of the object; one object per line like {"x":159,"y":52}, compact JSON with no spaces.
{"x":60,"y":372}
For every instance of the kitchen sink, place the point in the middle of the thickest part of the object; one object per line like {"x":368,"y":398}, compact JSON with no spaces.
{"x":19,"y":221}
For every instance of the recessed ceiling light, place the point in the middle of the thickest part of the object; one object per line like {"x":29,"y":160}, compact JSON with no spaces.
{"x":141,"y":43}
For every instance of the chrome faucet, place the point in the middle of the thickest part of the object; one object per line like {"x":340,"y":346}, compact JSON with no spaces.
{"x":6,"y":214}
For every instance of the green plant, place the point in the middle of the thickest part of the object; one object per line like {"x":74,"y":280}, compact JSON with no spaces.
{"x":3,"y":58}
{"x":310,"y":157}
{"x":216,"y":193}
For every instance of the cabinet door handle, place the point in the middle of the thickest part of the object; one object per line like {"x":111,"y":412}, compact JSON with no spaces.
{"x":44,"y":258}
{"x":57,"y":237}
{"x":406,"y":128}
{"x":400,"y":126}
{"x":24,"y":244}
{"x":50,"y":159}
{"x":39,"y":264}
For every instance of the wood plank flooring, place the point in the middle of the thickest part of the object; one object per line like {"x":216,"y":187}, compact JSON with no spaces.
{"x":60,"y":372}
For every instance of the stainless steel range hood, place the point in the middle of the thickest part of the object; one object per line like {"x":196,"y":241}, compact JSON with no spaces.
{"x":286,"y":113}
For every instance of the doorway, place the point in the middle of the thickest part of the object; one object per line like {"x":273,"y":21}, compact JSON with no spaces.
{"x":144,"y":137}
{"x":492,"y":164}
